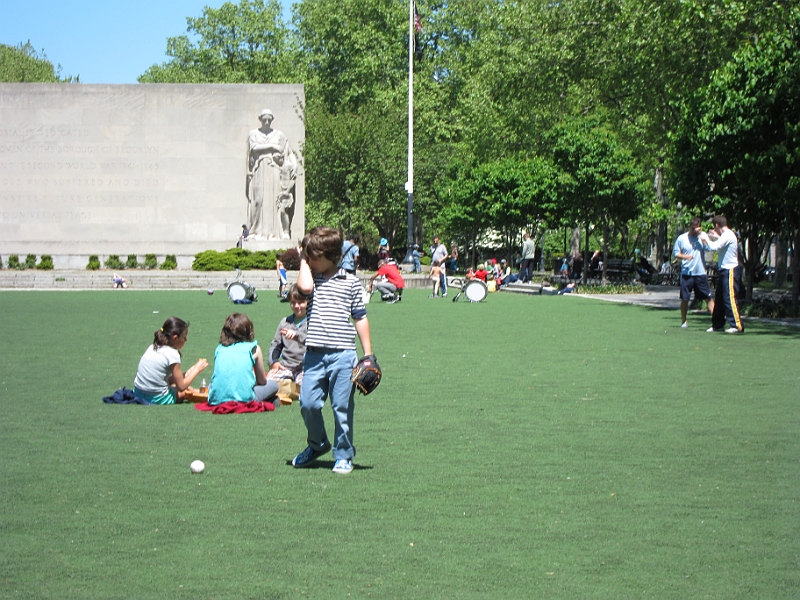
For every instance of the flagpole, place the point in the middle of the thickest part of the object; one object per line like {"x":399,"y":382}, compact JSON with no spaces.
{"x":410,"y":180}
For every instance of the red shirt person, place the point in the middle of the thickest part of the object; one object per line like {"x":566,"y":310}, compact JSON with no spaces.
{"x":391,"y":283}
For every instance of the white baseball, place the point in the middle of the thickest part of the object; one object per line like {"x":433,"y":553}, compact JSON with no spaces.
{"x":197,"y":467}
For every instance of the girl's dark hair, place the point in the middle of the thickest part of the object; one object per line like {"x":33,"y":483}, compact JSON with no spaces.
{"x":237,"y":328}
{"x":172,"y":326}
{"x":323,"y":242}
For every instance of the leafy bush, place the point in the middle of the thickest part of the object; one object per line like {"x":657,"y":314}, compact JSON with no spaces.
{"x":150,"y":261}
{"x":235,"y":258}
{"x":771,"y":307}
{"x":132,"y":262}
{"x":290,"y":259}
{"x":113,"y":262}
{"x":425,"y":260}
{"x":592,"y":288}
{"x":170,"y":263}
{"x":45,"y":263}
{"x":94,"y":263}
{"x":13,"y":262}
{"x":263,"y":259}
{"x":30,"y":261}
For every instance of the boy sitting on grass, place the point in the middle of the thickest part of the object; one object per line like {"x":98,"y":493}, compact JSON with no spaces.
{"x":331,"y":355}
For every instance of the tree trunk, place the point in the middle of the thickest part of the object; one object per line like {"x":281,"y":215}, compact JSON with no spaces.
{"x":586,"y":255}
{"x":575,"y":242}
{"x":605,"y":251}
{"x":782,"y":244}
{"x":795,"y":270}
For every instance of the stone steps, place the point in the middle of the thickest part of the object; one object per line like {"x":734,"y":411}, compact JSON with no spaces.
{"x":71,"y":279}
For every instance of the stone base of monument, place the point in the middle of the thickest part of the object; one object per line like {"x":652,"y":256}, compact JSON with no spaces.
{"x":257,"y":245}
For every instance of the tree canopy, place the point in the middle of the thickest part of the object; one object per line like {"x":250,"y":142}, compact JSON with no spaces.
{"x":584,"y":97}
{"x":23,"y":64}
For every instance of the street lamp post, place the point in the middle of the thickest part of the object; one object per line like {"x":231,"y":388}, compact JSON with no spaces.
{"x":410,"y":182}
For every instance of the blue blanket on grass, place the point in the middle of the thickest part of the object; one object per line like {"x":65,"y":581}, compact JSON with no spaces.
{"x":124,"y":396}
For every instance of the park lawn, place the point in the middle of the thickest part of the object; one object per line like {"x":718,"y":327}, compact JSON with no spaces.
{"x":524,"y":447}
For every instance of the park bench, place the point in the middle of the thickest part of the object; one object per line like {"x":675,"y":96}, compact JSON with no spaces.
{"x":618,"y":270}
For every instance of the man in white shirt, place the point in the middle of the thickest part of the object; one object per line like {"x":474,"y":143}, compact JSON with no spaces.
{"x":689,"y":249}
{"x":528,"y":254}
{"x":729,"y":276}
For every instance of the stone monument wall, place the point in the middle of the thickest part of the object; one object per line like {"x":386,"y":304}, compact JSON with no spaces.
{"x":136,"y":169}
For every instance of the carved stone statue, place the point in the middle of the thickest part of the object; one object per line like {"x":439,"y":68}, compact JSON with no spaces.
{"x":271,"y":176}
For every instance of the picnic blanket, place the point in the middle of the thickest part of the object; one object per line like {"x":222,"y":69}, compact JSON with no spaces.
{"x":230,"y":408}
{"x":124,"y":396}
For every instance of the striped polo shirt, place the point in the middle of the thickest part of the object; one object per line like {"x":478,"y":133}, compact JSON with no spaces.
{"x":334,"y":302}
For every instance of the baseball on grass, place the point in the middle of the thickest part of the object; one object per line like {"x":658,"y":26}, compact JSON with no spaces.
{"x":197,"y":467}
{"x":210,"y":291}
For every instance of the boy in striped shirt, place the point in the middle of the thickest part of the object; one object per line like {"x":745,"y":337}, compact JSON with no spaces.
{"x":335,"y":297}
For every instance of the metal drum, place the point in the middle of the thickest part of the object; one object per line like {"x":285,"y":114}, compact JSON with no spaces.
{"x":475,"y":290}
{"x":239,"y":290}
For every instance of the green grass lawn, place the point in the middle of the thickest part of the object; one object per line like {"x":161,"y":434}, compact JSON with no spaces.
{"x":525,"y":447}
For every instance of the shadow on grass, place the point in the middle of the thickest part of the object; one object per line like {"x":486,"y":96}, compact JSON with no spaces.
{"x":752,"y":325}
{"x":326,"y":464}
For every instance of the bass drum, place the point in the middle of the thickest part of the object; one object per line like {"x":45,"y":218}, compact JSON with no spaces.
{"x":475,"y":290}
{"x":241,"y":291}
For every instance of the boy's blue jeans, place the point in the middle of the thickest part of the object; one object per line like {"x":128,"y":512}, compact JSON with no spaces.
{"x":327,"y":373}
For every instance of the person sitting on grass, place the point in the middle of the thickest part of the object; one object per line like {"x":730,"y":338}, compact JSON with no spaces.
{"x":390,"y":282}
{"x":505,"y":273}
{"x":288,"y":347}
{"x":435,"y":276}
{"x":569,"y":288}
{"x":481,"y":273}
{"x":159,"y":378}
{"x":239,"y":365}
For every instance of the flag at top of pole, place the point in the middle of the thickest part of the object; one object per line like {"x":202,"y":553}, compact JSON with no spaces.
{"x":417,"y":31}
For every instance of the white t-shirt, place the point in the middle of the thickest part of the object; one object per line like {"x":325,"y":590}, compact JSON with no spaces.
{"x":727,"y":249}
{"x":155,"y":367}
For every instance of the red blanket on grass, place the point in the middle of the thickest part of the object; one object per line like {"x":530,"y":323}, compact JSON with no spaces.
{"x":229,"y":408}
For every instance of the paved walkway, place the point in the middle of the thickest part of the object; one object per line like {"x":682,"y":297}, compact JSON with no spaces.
{"x":666,"y":297}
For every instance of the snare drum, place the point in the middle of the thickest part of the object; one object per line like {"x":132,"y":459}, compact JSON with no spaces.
{"x":475,"y":290}
{"x":239,"y":290}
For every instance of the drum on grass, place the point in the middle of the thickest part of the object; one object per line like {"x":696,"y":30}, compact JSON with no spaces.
{"x":239,"y":290}
{"x":475,"y":290}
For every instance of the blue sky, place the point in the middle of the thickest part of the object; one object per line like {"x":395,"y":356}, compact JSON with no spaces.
{"x":110,"y":41}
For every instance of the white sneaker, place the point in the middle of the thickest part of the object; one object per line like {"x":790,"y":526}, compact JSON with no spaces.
{"x":711,"y":330}
{"x":685,"y":325}
{"x":343,"y":466}
{"x":731,"y":330}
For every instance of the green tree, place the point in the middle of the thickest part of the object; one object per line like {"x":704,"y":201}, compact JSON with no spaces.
{"x":738,"y":151}
{"x":356,"y":168}
{"x":602,"y":184}
{"x":354,"y":51}
{"x":237,"y":43}
{"x":23,"y":64}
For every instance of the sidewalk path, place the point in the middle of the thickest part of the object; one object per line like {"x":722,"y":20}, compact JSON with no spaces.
{"x":666,"y":297}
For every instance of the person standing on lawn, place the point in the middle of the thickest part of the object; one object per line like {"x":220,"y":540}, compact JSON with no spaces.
{"x":336,"y":298}
{"x":439,"y":252}
{"x":528,"y":253}
{"x":689,"y":249}
{"x":350,"y":254}
{"x":722,"y":240}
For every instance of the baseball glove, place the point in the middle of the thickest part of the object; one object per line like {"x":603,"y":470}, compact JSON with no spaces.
{"x":367,"y":374}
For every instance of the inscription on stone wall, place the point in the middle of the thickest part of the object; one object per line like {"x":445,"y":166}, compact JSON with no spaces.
{"x":124,"y":169}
